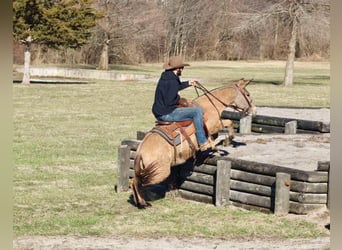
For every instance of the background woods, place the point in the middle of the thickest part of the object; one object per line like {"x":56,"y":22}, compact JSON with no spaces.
{"x":138,"y":31}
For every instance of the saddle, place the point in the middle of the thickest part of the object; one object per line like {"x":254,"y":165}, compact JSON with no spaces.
{"x":177,"y":132}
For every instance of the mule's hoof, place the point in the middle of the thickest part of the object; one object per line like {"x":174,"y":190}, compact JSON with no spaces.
{"x":144,"y":206}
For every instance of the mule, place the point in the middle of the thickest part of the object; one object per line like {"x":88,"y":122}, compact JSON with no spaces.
{"x":155,"y":156}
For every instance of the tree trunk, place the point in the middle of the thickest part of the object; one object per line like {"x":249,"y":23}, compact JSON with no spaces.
{"x":288,"y":80}
{"x":103,"y":64}
{"x":27,"y":62}
{"x":275,"y":40}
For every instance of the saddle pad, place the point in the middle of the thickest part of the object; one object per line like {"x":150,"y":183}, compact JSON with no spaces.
{"x":172,"y":133}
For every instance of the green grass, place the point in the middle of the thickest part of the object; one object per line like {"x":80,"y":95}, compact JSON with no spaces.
{"x":65,"y":144}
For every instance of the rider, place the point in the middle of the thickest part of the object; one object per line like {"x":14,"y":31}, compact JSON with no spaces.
{"x":166,"y":99}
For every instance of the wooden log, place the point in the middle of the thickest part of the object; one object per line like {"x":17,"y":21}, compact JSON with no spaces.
{"x":301,"y":124}
{"x":291,"y":128}
{"x":141,"y":135}
{"x":280,"y":121}
{"x":282,"y":194}
{"x":308,"y":198}
{"x":198,"y":177}
{"x":222,"y":185}
{"x":131,"y":163}
{"x":240,"y":175}
{"x":123,"y":168}
{"x":246,"y":124}
{"x":131,"y":173}
{"x":133,"y":144}
{"x":323,"y":166}
{"x":271,"y":170}
{"x":269,"y":129}
{"x":301,"y":208}
{"x":205,"y":168}
{"x":231,"y":115}
{"x":132,"y":154}
{"x":251,"y":188}
{"x":307,"y":187}
{"x":197,"y":187}
{"x":195,"y":196}
{"x":250,"y":199}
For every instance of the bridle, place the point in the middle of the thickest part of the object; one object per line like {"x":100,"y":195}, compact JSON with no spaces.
{"x":244,"y":94}
{"x":233,"y":104}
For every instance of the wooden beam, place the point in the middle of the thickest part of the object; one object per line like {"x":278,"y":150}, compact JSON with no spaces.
{"x":291,"y":128}
{"x":245,"y":125}
{"x":251,"y":188}
{"x":198,"y":177}
{"x":308,"y":198}
{"x":123,"y":168}
{"x":280,"y":121}
{"x":282,"y":194}
{"x":197,"y":187}
{"x":250,"y":199}
{"x":307,"y":187}
{"x":271,"y":170}
{"x":195,"y":196}
{"x":300,"y":208}
{"x":222,"y":185}
{"x":133,"y":144}
{"x":240,"y":175}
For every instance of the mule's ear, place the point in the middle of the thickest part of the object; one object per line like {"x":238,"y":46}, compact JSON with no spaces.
{"x":241,"y":83}
{"x":248,"y":82}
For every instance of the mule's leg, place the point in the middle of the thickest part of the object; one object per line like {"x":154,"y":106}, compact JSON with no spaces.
{"x":138,"y":198}
{"x":231,"y":133}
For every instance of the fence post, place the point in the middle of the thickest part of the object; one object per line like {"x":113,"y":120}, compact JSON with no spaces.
{"x":222,"y":182}
{"x":282,"y":194}
{"x":123,"y":168}
{"x":291,"y":127}
{"x":246,"y":125}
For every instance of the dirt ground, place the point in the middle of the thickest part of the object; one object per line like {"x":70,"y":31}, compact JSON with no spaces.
{"x":126,"y":243}
{"x":300,"y":151}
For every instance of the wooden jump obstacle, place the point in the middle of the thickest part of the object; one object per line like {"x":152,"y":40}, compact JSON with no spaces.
{"x":252,"y":185}
{"x":271,"y":124}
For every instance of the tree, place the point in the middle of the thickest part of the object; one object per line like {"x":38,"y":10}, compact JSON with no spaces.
{"x":54,"y":23}
{"x":293,"y":17}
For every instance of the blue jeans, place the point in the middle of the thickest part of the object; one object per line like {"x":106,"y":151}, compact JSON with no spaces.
{"x":194,"y":113}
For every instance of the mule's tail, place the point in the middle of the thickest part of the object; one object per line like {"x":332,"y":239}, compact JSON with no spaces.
{"x":136,"y":183}
{"x":148,"y":174}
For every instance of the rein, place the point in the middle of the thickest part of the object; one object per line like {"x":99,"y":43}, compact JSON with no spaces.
{"x":207,"y":92}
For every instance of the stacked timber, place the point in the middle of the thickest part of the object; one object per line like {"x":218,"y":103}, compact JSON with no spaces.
{"x":252,"y":185}
{"x":272,"y":124}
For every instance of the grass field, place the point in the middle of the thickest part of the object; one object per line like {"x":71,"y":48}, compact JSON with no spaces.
{"x":65,"y":144}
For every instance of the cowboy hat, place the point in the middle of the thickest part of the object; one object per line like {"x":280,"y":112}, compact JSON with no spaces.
{"x":174,"y":62}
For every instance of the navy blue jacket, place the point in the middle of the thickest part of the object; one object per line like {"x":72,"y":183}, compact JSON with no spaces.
{"x":166,"y":96}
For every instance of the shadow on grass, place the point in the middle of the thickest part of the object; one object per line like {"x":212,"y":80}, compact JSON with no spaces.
{"x":54,"y":81}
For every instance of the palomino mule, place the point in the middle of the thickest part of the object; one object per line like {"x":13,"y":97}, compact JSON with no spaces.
{"x":155,"y":156}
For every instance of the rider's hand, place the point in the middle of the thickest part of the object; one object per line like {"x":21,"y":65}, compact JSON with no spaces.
{"x":193,"y":83}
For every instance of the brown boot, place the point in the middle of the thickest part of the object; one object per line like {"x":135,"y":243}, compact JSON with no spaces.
{"x":205,"y":145}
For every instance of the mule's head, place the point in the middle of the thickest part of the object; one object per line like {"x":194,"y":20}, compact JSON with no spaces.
{"x":243,"y":101}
